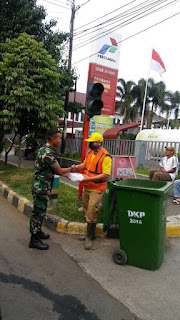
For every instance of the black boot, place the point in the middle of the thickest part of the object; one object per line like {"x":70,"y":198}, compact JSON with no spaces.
{"x":42,"y":235}
{"x":93,"y":231}
{"x":83,"y":237}
{"x":91,"y":227}
{"x":36,"y":243}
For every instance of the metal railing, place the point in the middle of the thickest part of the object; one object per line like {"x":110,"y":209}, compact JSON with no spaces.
{"x":150,"y":154}
{"x":114,"y":147}
{"x":155,"y":150}
{"x":120,"y":147}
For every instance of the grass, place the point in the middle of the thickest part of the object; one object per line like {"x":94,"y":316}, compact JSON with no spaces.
{"x":74,"y":156}
{"x":20,"y":180}
{"x":144,"y":171}
{"x":17,"y":179}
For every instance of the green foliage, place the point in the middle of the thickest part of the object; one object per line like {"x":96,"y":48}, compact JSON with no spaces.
{"x":20,"y":181}
{"x":75,"y":107}
{"x":29,"y":84}
{"x":128,"y":136}
{"x":125,"y":93}
{"x":72,"y":156}
{"x":178,"y":155}
{"x":18,"y":16}
{"x":1,"y":141}
{"x":175,"y":124}
{"x":131,"y":97}
{"x":144,"y":171}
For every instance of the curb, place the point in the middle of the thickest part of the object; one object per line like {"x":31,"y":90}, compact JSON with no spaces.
{"x":61,"y":225}
{"x":51,"y":222}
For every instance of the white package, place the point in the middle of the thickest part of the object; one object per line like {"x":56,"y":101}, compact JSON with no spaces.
{"x":75,"y":176}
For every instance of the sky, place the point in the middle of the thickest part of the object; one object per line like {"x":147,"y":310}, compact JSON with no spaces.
{"x":135,"y":52}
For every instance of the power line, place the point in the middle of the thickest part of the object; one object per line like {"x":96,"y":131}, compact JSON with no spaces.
{"x":135,"y":34}
{"x":62,"y":2}
{"x":55,"y":4}
{"x":96,"y":37}
{"x":105,"y":15}
{"x":115,"y":17}
{"x":122,"y":16}
{"x":123,"y":24}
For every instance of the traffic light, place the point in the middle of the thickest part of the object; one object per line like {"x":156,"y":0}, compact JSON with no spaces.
{"x":94,"y":102}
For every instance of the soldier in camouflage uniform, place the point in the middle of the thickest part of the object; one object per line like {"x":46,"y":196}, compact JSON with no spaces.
{"x":46,"y":165}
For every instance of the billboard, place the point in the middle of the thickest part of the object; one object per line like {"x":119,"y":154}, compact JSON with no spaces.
{"x":100,"y":124}
{"x":103,"y":67}
{"x":105,"y":51}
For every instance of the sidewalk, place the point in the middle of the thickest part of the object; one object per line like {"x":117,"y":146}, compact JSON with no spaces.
{"x":150,"y":295}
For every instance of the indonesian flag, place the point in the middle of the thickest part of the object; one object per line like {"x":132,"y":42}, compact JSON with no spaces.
{"x":157,"y":63}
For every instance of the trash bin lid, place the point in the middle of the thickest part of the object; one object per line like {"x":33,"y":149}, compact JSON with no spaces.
{"x":148,"y":186}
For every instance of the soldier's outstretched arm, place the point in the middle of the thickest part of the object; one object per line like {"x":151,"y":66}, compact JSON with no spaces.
{"x":61,"y":171}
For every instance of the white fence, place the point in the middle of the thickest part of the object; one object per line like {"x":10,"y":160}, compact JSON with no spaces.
{"x":156,"y":150}
{"x":147,"y":153}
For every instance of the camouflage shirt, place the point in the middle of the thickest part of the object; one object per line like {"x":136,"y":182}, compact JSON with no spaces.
{"x":46,"y":162}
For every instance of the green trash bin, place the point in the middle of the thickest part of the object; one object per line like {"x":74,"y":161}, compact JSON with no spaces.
{"x":142,"y":222}
{"x":110,"y":214}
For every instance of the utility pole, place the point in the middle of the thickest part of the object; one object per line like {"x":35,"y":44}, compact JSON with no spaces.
{"x":73,"y":11}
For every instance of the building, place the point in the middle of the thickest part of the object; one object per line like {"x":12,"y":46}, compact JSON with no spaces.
{"x":75,"y":121}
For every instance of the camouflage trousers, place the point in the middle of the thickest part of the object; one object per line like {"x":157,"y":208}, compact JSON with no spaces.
{"x":39,"y":212}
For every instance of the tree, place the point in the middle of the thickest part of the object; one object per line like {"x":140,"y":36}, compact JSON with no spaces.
{"x":29,"y":83}
{"x":18,"y":16}
{"x":124,"y":93}
{"x":138,"y":94}
{"x":157,"y":97}
{"x":175,"y":102}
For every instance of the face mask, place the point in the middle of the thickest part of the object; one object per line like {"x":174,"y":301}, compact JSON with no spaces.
{"x":93,"y":147}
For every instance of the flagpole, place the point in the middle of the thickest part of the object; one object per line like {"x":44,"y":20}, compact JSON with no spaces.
{"x":144,"y":103}
{"x":168,"y":119}
{"x":145,"y":95}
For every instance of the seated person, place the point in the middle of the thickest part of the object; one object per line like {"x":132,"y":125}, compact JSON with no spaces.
{"x":169,"y":166}
{"x":176,"y":192}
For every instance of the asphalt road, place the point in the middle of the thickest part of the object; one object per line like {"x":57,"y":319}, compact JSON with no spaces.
{"x":47,"y":285}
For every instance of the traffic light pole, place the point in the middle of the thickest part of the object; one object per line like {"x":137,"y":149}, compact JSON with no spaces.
{"x":94,"y":105}
{"x":84,"y":147}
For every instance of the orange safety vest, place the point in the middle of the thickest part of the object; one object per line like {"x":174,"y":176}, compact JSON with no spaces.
{"x":94,"y":167}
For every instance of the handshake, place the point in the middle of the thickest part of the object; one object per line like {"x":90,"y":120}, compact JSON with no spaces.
{"x":74,"y":168}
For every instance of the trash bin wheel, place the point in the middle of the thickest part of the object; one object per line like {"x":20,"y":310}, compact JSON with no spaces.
{"x":119,"y":257}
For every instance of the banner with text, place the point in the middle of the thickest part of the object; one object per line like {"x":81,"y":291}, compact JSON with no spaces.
{"x":100,"y":124}
{"x":103,"y":67}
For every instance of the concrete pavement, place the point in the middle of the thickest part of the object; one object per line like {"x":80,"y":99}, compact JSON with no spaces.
{"x":150,"y":295}
{"x":47,"y":285}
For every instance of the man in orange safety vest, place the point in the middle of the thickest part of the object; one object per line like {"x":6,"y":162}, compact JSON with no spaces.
{"x":97,"y":169}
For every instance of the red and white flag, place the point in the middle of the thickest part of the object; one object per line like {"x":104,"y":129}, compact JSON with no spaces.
{"x":157,"y":63}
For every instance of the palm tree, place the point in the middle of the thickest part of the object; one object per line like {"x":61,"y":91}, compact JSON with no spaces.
{"x":138,"y":95}
{"x":157,"y":97}
{"x":175,"y":101}
{"x":124,"y":93}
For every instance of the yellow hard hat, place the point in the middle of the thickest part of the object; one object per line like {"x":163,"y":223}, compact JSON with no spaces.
{"x":95,"y":136}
